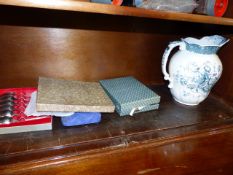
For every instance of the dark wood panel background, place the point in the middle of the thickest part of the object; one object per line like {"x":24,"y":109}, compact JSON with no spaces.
{"x":229,"y":12}
{"x":81,"y":46}
{"x":224,"y":87}
{"x":29,"y":52}
{"x":90,"y":47}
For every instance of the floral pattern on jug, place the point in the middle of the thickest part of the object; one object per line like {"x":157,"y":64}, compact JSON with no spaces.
{"x":202,"y":80}
{"x":194,"y":69}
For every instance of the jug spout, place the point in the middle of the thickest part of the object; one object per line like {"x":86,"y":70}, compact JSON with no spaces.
{"x":216,"y":40}
{"x":223,"y":42}
{"x":205,"y":45}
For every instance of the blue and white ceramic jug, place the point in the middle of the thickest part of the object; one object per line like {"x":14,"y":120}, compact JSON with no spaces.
{"x":194,"y":68}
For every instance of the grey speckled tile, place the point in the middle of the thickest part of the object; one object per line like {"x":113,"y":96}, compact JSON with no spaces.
{"x":69,"y":95}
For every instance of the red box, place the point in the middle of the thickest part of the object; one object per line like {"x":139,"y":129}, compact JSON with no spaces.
{"x":21,"y":122}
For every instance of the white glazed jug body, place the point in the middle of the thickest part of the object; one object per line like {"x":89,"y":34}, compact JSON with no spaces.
{"x":193,"y":71}
{"x":193,"y":76}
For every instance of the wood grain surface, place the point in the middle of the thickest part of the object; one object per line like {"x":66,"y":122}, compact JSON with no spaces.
{"x":224,"y":88}
{"x":187,"y":136}
{"x":71,"y":5}
{"x":37,"y":42}
{"x":68,"y":42}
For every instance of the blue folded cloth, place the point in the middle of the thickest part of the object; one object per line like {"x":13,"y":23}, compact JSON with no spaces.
{"x":81,"y":118}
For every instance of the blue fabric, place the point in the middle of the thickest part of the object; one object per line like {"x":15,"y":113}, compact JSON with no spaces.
{"x":81,"y":118}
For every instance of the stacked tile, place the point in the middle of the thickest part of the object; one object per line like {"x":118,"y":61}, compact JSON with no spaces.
{"x":68,"y":95}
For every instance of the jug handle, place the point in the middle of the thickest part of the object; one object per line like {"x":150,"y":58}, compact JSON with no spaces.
{"x":166,"y":54}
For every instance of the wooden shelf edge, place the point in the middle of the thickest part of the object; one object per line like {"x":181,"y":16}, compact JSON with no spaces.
{"x":74,"y":151}
{"x":71,"y":5}
{"x":75,"y":156}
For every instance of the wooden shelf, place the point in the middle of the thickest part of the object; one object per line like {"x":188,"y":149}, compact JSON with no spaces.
{"x":173,"y":122}
{"x":71,"y":5}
